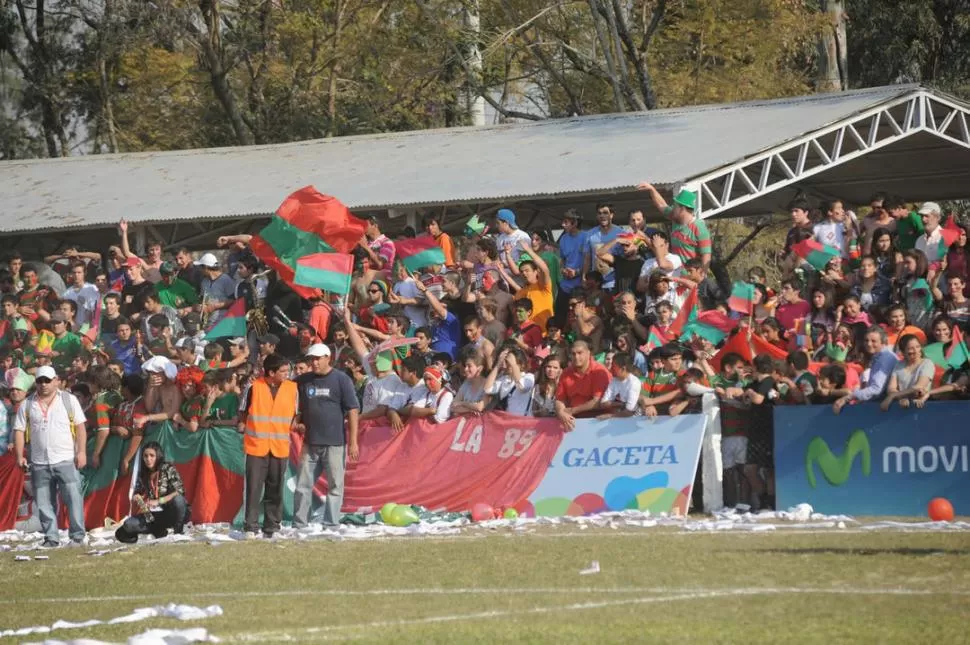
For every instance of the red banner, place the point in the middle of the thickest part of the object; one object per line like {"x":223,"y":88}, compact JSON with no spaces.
{"x":496,"y":458}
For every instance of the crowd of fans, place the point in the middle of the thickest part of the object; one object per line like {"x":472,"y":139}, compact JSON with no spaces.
{"x":583,"y":325}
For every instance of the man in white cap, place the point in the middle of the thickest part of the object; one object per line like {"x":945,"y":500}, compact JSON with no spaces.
{"x":326,"y":397}
{"x":930,"y":242}
{"x":54,"y":420}
{"x":218,"y":289}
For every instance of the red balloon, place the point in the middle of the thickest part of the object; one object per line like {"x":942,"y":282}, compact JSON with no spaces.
{"x":481,"y":512}
{"x":940,"y":510}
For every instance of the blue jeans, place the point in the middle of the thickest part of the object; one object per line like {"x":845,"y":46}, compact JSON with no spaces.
{"x":313,"y":460}
{"x":47,"y":480}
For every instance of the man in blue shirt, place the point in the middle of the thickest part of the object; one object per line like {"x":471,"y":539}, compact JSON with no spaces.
{"x":602,"y":235}
{"x":126,"y":349}
{"x":445,"y":327}
{"x":882,"y":362}
{"x":572,"y":247}
{"x":326,"y":397}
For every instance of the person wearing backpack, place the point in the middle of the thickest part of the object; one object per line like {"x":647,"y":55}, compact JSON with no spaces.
{"x":52,"y":421}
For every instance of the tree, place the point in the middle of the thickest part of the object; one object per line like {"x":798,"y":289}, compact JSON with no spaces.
{"x":910,"y":41}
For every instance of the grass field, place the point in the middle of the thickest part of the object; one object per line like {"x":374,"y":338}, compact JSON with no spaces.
{"x":654,"y":585}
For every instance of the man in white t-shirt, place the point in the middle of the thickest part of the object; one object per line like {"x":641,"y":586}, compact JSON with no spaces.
{"x":622,"y":397}
{"x":83,"y":293}
{"x":835,"y":230}
{"x":54,"y":420}
{"x":509,"y":242}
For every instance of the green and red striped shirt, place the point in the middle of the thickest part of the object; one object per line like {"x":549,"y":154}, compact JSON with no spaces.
{"x":691,"y":240}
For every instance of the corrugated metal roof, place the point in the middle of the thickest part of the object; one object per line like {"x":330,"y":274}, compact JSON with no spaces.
{"x":461,"y":165}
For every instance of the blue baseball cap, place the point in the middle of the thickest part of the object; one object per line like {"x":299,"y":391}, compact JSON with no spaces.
{"x":507,"y":216}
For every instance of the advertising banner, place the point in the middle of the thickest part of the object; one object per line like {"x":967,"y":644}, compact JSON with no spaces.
{"x":500,"y":459}
{"x":868,"y":462}
{"x":630,"y":463}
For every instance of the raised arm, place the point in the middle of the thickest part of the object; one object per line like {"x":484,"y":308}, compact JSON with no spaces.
{"x":543,"y":267}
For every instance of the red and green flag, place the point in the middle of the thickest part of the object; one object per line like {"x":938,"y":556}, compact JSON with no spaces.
{"x":212,"y":466}
{"x":815,"y":253}
{"x":688,"y":311}
{"x":655,"y":339}
{"x":306,"y":223}
{"x":711,"y":325}
{"x":419,"y":252}
{"x":232,"y":325}
{"x":949,"y":234}
{"x":742,"y":298}
{"x":952,"y":357}
{"x":327,"y":271}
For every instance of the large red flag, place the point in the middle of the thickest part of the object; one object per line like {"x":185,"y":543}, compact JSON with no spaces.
{"x":306,"y":223}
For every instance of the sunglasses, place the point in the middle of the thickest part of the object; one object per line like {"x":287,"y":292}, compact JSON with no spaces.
{"x":43,"y":380}
{"x":373,"y":291}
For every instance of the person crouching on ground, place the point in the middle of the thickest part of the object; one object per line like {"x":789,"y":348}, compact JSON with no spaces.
{"x":159,"y":499}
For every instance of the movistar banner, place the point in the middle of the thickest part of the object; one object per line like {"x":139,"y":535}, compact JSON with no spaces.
{"x":627,"y":463}
{"x":868,"y":462}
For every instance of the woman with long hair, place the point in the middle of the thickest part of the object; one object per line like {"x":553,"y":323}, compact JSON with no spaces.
{"x":883,"y":251}
{"x":914,"y":291}
{"x":471,"y":395}
{"x":159,"y":498}
{"x":873,"y":290}
{"x":509,"y":384}
{"x":912,"y":377}
{"x":822,"y":313}
{"x":544,"y":394}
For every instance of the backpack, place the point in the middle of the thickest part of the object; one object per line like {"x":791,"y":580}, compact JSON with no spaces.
{"x":65,"y":401}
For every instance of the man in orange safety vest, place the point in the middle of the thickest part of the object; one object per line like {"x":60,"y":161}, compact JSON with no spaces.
{"x":266,"y":417}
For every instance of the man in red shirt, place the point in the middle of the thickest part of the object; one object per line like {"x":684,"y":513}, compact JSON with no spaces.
{"x":581,"y":385}
{"x":792,"y":307}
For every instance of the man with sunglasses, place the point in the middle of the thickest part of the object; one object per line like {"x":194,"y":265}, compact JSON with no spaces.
{"x":54,"y":420}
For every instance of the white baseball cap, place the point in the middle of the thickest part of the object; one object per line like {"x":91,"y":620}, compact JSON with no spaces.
{"x":207,"y":260}
{"x":46,"y":371}
{"x":238,"y":340}
{"x":929,"y":207}
{"x":317,"y":350}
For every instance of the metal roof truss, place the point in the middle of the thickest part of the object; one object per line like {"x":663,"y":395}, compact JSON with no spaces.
{"x":834,"y":145}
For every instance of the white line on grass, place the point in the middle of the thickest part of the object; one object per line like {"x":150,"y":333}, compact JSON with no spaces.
{"x":331,"y":632}
{"x":324,"y":632}
{"x":459,"y":591}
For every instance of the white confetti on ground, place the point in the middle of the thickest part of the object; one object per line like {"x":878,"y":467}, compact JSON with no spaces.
{"x":149,"y":637}
{"x":171,"y":610}
{"x":798,"y":518}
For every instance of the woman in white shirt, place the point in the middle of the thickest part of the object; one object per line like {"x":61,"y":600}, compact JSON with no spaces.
{"x":912,"y":377}
{"x":508,"y":386}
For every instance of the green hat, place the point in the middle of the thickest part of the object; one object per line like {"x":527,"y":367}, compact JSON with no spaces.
{"x":384,"y":361}
{"x":687,"y":199}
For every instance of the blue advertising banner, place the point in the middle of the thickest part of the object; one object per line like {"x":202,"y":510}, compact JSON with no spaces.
{"x":868,"y":462}
{"x":627,"y":463}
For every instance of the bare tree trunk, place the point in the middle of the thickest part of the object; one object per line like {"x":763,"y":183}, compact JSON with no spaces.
{"x":604,"y":42}
{"x":211,"y":43}
{"x":833,"y":65}
{"x":334,"y":72}
{"x":473,"y":24}
{"x":637,"y":55}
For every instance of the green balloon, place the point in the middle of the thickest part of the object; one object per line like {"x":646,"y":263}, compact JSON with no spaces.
{"x":386,"y":511}
{"x":403,"y":516}
{"x":510,"y":514}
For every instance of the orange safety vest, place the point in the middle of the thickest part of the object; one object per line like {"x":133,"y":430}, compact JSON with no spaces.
{"x":269,"y":419}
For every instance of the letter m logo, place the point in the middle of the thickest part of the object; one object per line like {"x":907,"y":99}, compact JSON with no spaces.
{"x":834,"y":469}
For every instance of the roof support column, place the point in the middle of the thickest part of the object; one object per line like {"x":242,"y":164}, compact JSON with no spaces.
{"x":140,"y":240}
